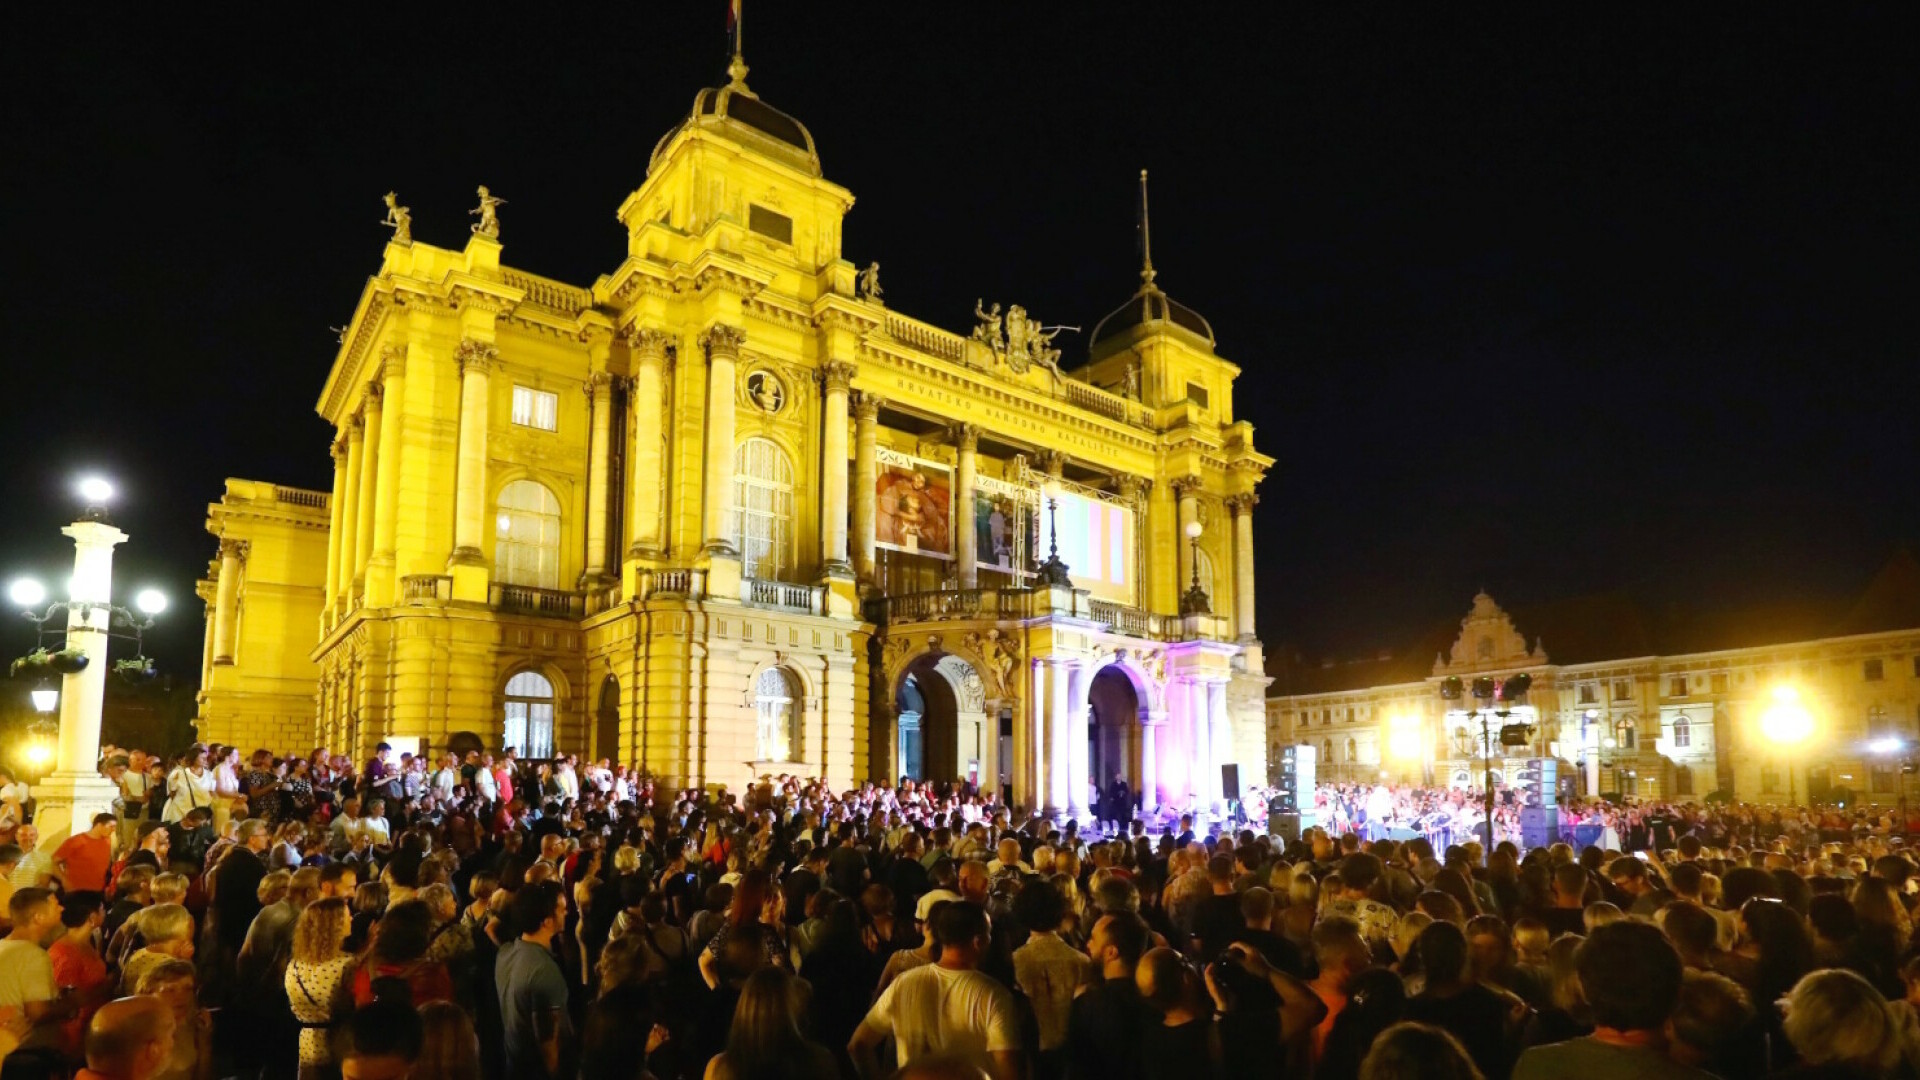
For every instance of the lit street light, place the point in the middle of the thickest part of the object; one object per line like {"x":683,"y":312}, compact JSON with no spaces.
{"x":1786,"y":724}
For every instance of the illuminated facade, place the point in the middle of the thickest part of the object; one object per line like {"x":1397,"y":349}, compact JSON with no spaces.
{"x":1651,"y":724}
{"x":722,"y":512}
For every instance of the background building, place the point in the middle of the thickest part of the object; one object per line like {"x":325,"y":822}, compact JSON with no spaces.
{"x":721,"y":512}
{"x":1631,"y":704}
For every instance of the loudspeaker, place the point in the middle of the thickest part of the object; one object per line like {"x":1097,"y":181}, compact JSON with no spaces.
{"x":1539,"y":826}
{"x":1230,"y":781}
{"x":1286,"y":798}
{"x":1539,"y":782}
{"x":1284,"y":826}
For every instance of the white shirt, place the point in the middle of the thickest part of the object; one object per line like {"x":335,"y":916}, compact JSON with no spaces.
{"x":937,"y":1010}
{"x":569,"y":783}
{"x":26,"y":974}
{"x":186,"y":790}
{"x":484,"y":785}
{"x":445,"y":781}
{"x":15,"y":792}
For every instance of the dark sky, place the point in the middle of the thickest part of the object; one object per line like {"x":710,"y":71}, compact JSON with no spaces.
{"x":1547,"y":305}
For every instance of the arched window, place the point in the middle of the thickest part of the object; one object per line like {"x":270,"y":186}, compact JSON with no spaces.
{"x":1682,"y":731}
{"x":1326,"y":751}
{"x":1215,"y":600}
{"x":529,"y":718}
{"x":1623,"y":734}
{"x":763,"y":510}
{"x":777,"y":737}
{"x":1353,"y":750}
{"x":526,"y":548}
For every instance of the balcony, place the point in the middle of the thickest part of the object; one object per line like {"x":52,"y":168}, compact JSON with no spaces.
{"x":527,"y":600}
{"x":781,"y":596}
{"x":1012,"y":605}
{"x":426,"y":589}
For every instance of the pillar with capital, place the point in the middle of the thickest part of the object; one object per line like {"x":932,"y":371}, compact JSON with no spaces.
{"x":599,"y":482}
{"x":233,"y":554}
{"x":1187,"y":489}
{"x":1242,"y":508}
{"x":866,"y":434}
{"x":1220,"y":727}
{"x":372,"y":413}
{"x":966,"y":441}
{"x":837,"y":383}
{"x":1150,"y":765}
{"x":723,"y":344}
{"x":382,"y":581}
{"x":646,"y":486}
{"x":335,"y":527}
{"x":468,"y":562}
{"x":1078,"y":675}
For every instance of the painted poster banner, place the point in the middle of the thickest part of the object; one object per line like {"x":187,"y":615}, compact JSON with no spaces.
{"x":1002,"y":518}
{"x":913,"y":505}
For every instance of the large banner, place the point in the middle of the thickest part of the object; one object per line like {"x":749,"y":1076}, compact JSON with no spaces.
{"x":1096,"y":543}
{"x":913,"y":505}
{"x":1002,"y":518}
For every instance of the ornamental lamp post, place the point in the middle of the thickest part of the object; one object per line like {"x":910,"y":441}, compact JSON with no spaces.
{"x":1493,"y":698}
{"x":76,"y":791}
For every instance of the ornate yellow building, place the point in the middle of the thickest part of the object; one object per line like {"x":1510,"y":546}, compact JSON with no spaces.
{"x":722,"y":512}
{"x":1632,"y":705}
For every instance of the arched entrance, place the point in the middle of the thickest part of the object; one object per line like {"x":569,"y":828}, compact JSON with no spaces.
{"x":606,"y":721}
{"x":1113,"y":733}
{"x":941,"y":728}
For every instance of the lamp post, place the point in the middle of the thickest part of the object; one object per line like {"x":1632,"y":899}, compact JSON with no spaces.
{"x":76,"y":790}
{"x":1786,"y":724}
{"x":1492,"y":698}
{"x":1195,"y":600}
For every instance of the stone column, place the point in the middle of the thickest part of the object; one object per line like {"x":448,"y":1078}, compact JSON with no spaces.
{"x":76,"y":791}
{"x":369,"y":479}
{"x":837,"y":382}
{"x":226,"y":597}
{"x":723,"y":354}
{"x":468,"y":562}
{"x":1205,"y":777}
{"x":1242,"y":508}
{"x":1220,"y":725}
{"x":599,"y":497}
{"x":336,"y":505}
{"x":866,"y":473}
{"x":646,"y":481}
{"x":1077,"y":748}
{"x":966,"y":438}
{"x":1059,"y":739}
{"x":1150,"y":767}
{"x":1186,"y":488}
{"x":381,"y":568}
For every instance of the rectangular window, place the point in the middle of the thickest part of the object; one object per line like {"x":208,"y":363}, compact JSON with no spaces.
{"x":1197,"y":394}
{"x":770,"y":224}
{"x":1588,"y":695}
{"x":1916,"y":667}
{"x":1883,"y":778}
{"x":1622,"y":690}
{"x":1720,"y":683}
{"x":1873,"y":671}
{"x":536,"y":408}
{"x":1677,"y":686}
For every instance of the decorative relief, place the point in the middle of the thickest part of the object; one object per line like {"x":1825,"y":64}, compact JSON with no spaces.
{"x":393,"y":361}
{"x":1018,"y":341}
{"x":645,"y":340}
{"x":1000,"y":652}
{"x":892,"y":651}
{"x":838,"y":375}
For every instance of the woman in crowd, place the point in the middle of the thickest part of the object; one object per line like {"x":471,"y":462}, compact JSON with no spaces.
{"x":765,"y":1042}
{"x":318,"y":979}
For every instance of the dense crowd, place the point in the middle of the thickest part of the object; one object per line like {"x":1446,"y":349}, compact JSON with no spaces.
{"x":554,"y":920}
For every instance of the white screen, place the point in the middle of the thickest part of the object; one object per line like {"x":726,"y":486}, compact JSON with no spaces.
{"x":1096,"y":543}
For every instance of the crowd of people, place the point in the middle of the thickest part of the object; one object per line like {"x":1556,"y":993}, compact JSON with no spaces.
{"x":315,"y":917}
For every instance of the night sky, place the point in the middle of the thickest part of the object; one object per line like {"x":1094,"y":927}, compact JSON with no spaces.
{"x":1549,"y":306}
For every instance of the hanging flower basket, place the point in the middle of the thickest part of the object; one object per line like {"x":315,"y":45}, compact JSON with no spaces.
{"x":34,"y":663}
{"x":140,"y":669}
{"x":68,"y":661}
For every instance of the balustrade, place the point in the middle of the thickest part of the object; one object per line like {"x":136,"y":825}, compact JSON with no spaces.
{"x":528,"y":600}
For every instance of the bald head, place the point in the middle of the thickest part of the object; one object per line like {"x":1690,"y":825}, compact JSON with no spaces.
{"x":130,"y":1039}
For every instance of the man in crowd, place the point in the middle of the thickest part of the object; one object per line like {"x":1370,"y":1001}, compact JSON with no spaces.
{"x":128,"y":1039}
{"x":946,"y":1007}
{"x":81,"y":862}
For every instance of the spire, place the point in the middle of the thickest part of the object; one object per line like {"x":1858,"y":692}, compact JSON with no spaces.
{"x":1146,"y":238}
{"x":737,"y":67}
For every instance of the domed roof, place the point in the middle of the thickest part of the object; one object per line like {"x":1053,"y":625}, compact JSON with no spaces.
{"x":1151,"y":306}
{"x":738,"y":113}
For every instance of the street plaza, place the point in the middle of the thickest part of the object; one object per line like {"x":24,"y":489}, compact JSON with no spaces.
{"x":722,"y":512}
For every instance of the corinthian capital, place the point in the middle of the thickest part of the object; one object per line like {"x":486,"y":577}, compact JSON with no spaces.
{"x":475,"y":356}
{"x":866,"y":405}
{"x":645,"y":341}
{"x":1186,"y":487}
{"x":723,"y":340}
{"x":966,"y":436}
{"x":1242,"y":504}
{"x":235,"y":549}
{"x":838,"y":375}
{"x":393,"y":361}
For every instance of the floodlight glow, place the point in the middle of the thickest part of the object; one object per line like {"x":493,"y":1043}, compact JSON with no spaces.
{"x":1787,"y":721}
{"x":38,"y":754}
{"x":151,"y":601}
{"x":1885,"y":746}
{"x":45,"y":698}
{"x":26,"y":592}
{"x":95,"y":490}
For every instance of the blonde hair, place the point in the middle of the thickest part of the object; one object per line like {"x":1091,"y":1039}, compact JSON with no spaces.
{"x":304,"y":886}
{"x":169,"y":888}
{"x":273,"y":888}
{"x":1564,"y":974}
{"x":1835,"y":1017}
{"x":1530,"y":939}
{"x":164,"y":974}
{"x":1407,"y":931}
{"x":323,"y":927}
{"x":1600,"y":914}
{"x":163,"y":923}
{"x":626,"y":860}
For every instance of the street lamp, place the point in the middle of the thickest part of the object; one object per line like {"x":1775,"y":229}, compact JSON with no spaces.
{"x":1195,"y":600}
{"x":1786,"y":724}
{"x":1494,"y":698}
{"x":76,"y":790}
{"x":1404,"y":742}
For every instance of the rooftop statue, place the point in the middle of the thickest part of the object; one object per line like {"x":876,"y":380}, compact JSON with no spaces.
{"x":488,"y":213}
{"x":870,"y":283}
{"x":400,"y":218}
